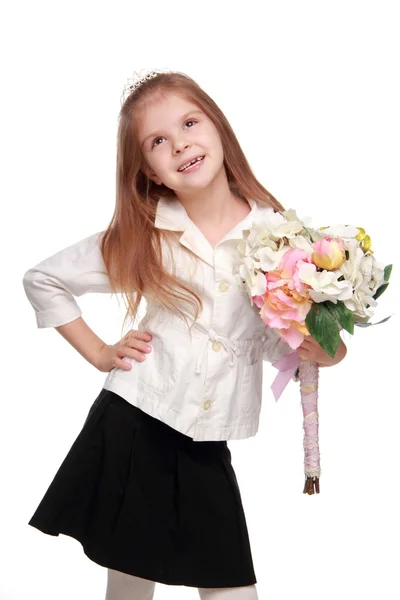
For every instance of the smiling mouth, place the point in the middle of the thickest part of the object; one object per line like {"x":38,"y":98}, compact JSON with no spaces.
{"x":190,"y":164}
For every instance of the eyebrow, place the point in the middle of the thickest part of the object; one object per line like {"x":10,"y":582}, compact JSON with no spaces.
{"x":191,"y":112}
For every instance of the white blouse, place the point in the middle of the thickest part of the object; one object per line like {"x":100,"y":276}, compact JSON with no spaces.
{"x":206,"y":383}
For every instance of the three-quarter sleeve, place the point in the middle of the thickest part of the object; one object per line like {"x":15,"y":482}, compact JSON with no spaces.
{"x":51,"y":285}
{"x":275,"y":348}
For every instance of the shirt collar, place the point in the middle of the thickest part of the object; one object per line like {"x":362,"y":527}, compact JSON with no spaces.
{"x":171,"y":215}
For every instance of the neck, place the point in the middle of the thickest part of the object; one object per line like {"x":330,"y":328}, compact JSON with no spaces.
{"x":214,"y":203}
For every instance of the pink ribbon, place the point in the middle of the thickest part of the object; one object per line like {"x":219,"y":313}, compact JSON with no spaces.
{"x":287,"y":366}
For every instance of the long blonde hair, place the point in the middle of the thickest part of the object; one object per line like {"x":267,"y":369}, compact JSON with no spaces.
{"x":131,"y":245}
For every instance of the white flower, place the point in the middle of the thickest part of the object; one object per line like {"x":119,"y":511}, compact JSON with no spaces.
{"x":341,"y":231}
{"x":374,"y":273}
{"x":302,"y":243}
{"x":260,"y":236}
{"x":358,"y":304}
{"x":325,"y":285}
{"x":254,"y":280}
{"x":351,"y":268}
{"x":264,"y":241}
{"x":365,"y":275}
{"x":269,"y":258}
{"x":274,"y":226}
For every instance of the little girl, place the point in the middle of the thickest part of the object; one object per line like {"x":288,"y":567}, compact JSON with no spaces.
{"x":148,"y":487}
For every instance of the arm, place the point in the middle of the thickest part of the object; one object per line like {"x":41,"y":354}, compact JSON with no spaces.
{"x":51,"y":285}
{"x":275,"y":347}
{"x":83,"y":339}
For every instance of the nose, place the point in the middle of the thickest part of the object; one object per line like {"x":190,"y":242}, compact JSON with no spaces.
{"x":179,"y":146}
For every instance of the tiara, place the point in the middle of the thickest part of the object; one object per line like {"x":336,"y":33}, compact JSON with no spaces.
{"x":138,"y":78}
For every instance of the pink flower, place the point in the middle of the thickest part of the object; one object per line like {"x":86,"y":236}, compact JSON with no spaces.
{"x":329,"y":253}
{"x":286,"y":301}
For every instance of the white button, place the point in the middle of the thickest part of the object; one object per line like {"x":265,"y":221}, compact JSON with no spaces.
{"x":206,"y":405}
{"x":216,"y":346}
{"x":223,"y":286}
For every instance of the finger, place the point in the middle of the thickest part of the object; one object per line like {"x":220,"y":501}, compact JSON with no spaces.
{"x":139,"y":335}
{"x":304,"y":347}
{"x":128,"y":339}
{"x":309,"y":348}
{"x":131,"y":353}
{"x":139,"y":345}
{"x":121,"y":364}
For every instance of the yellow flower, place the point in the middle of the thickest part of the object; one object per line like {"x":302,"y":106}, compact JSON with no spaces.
{"x":364,"y":239}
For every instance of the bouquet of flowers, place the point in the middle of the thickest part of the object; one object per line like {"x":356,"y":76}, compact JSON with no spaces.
{"x":315,"y":282}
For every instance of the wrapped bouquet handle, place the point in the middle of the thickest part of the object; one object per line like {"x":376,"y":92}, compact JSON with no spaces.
{"x":308,"y":377}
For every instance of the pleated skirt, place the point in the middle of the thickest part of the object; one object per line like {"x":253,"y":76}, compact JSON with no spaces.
{"x":145,"y":499}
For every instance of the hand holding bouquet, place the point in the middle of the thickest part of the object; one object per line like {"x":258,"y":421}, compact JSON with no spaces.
{"x":309,"y":282}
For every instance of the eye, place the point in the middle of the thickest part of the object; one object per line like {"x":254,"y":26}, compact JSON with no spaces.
{"x":190,"y":121}
{"x":155,"y":140}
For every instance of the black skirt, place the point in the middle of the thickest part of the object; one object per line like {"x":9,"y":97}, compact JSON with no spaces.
{"x":145,"y":499}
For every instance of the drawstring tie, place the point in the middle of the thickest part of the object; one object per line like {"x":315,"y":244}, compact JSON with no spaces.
{"x":215,"y":337}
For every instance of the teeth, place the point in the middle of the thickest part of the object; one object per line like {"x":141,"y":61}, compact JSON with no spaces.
{"x":190,"y":163}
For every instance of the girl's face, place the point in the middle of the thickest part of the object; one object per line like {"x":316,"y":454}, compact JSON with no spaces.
{"x":172,"y":131}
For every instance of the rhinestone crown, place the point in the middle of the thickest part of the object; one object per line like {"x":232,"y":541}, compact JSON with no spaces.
{"x":138,"y":78}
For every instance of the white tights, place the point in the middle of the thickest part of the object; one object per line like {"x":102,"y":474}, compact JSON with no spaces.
{"x":121,"y":586}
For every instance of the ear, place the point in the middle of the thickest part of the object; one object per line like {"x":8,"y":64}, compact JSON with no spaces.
{"x":150,"y":174}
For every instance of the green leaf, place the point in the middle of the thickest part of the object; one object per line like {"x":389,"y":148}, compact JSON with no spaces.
{"x":323,"y":327}
{"x":341,"y":314}
{"x":387,"y":272}
{"x":380,"y":290}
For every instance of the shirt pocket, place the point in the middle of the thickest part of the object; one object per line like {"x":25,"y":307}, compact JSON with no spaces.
{"x":162,"y":366}
{"x":251,"y":388}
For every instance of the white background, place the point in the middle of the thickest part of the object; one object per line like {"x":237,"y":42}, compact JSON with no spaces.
{"x":312,"y":92}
